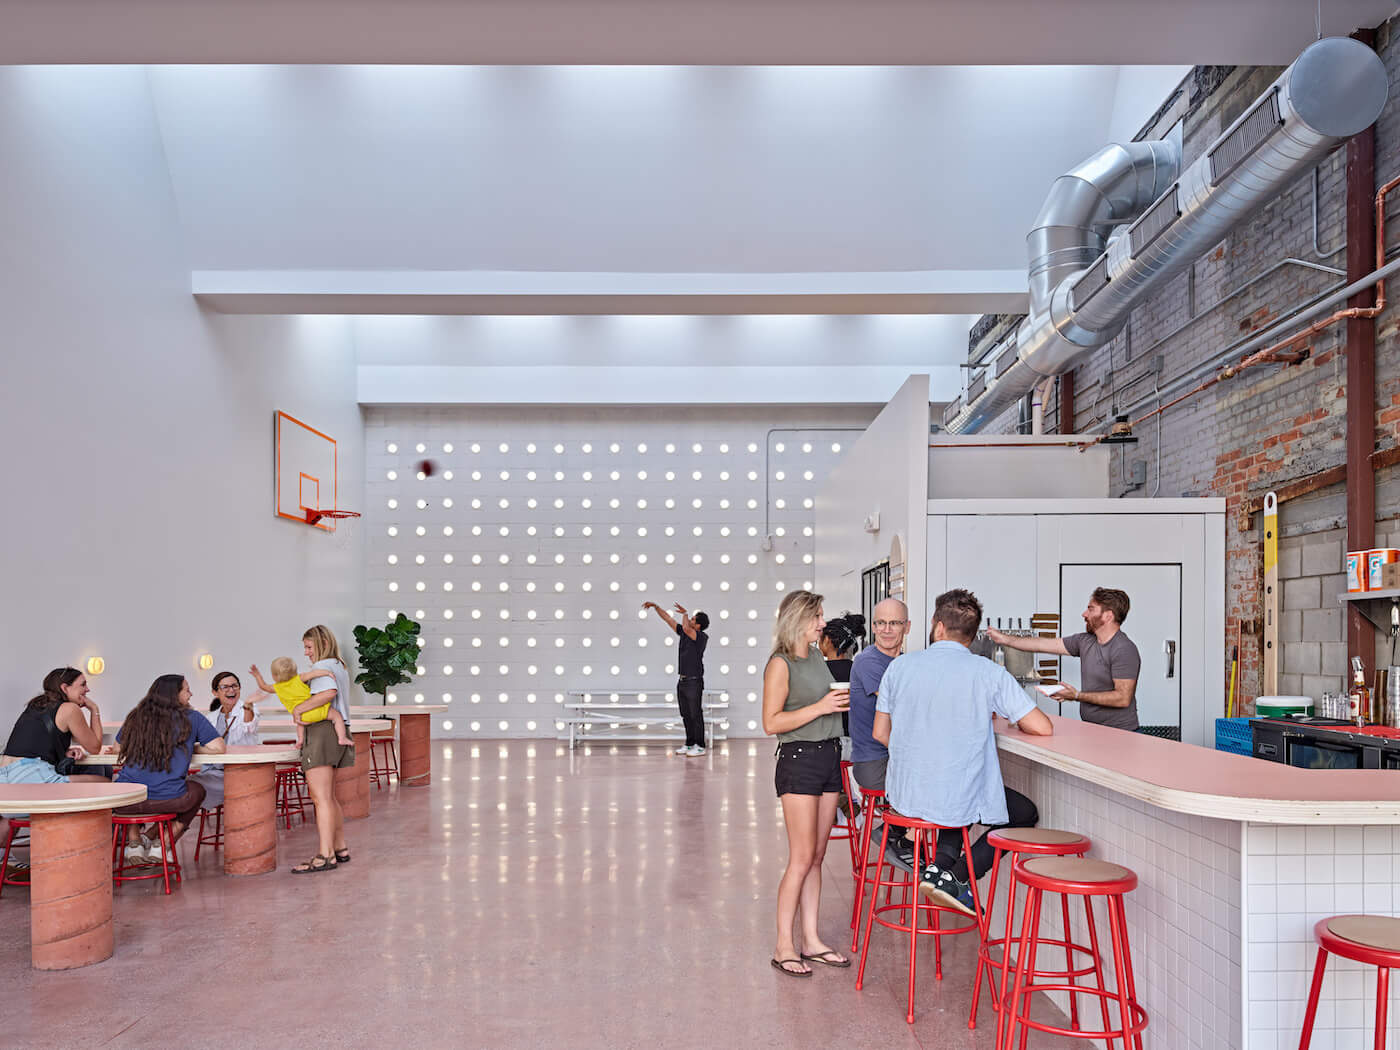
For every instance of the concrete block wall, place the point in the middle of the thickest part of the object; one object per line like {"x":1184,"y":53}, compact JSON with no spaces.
{"x":1270,"y":425}
{"x":1312,"y":629}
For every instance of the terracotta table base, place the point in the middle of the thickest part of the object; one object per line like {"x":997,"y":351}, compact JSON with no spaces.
{"x":250,"y":819}
{"x":352,"y":782}
{"x":71,"y":891}
{"x":415,"y":754}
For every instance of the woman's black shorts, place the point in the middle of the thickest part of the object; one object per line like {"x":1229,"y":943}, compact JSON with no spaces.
{"x":808,"y":767}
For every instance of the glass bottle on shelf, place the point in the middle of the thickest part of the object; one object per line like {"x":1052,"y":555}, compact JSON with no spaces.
{"x":1359,"y":707}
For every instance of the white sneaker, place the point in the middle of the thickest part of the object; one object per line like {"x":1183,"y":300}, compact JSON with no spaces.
{"x":682,"y":750}
{"x":137,"y":855}
{"x":694,"y":751}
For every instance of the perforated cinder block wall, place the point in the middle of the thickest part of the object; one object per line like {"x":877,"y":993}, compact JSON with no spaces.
{"x":529,"y":551}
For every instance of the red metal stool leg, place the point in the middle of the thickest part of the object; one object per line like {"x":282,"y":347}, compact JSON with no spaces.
{"x":16,"y":826}
{"x":1319,"y":971}
{"x":871,"y":803}
{"x":1382,"y":1001}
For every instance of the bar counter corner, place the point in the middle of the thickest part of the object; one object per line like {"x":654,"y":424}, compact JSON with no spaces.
{"x":1237,"y":858}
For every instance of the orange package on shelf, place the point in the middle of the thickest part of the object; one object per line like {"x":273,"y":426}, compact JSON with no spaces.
{"x":1356,"y":571}
{"x":1375,"y":559}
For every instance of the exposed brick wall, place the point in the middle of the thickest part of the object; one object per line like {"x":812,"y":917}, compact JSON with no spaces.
{"x":1273,"y":424}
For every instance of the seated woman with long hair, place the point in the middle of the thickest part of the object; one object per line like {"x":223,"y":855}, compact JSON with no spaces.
{"x":156,"y":742}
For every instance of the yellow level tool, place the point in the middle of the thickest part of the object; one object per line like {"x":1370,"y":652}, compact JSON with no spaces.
{"x":1270,"y":684}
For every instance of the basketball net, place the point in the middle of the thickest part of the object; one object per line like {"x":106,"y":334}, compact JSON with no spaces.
{"x":343,"y":524}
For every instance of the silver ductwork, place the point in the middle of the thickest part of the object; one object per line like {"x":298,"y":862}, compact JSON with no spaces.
{"x":1085,"y":277}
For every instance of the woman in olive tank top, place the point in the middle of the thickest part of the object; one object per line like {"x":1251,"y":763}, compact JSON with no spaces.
{"x":803,"y":711}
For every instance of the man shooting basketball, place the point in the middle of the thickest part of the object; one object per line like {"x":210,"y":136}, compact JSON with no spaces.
{"x":690,"y":668}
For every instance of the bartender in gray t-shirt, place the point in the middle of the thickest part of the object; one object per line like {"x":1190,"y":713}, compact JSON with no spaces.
{"x":1109,"y":663}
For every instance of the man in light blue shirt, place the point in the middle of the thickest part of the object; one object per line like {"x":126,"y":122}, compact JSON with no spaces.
{"x":934,"y":713}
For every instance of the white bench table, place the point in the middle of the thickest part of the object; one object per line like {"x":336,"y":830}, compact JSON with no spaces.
{"x":588,"y":709}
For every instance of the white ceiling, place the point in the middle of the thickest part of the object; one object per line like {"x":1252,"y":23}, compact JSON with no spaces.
{"x":681,"y":32}
{"x":626,"y":189}
{"x":645,"y":157}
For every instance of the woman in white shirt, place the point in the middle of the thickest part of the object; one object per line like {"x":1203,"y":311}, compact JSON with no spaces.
{"x":234,"y":719}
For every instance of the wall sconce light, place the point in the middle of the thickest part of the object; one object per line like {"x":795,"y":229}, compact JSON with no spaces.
{"x":96,"y":665}
{"x":205,"y":662}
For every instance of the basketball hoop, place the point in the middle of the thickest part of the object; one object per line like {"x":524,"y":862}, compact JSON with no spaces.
{"x":313,"y":516}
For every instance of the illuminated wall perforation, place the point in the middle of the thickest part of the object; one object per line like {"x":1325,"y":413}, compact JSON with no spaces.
{"x":540,"y":533}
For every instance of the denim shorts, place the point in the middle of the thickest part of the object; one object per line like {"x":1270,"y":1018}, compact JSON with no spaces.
{"x":808,"y":767}
{"x":30,"y":771}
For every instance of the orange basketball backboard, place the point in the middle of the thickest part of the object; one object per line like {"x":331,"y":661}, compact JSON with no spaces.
{"x":306,"y":465}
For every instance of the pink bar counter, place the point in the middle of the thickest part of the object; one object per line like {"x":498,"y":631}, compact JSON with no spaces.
{"x":1237,"y":858}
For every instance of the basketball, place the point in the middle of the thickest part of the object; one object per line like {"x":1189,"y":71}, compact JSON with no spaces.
{"x":427,"y":468}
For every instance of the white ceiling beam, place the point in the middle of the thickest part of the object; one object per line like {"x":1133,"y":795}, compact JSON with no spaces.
{"x":641,"y":385}
{"x":467,"y":293}
{"x":682,"y":32}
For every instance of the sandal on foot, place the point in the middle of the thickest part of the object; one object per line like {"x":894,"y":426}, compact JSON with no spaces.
{"x":342,"y":856}
{"x":781,"y":965}
{"x":830,"y":957}
{"x":315,"y":866}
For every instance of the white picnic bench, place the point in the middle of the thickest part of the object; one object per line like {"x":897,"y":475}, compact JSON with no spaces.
{"x":637,"y":714}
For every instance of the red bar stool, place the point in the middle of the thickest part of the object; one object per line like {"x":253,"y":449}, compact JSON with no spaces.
{"x":872,"y":803}
{"x":1014,"y":843}
{"x":291,"y":797}
{"x":843,"y":831}
{"x":1078,"y":877}
{"x":213,"y":838}
{"x":16,"y":827}
{"x":121,"y":828}
{"x":383,"y":759}
{"x":912,"y":905}
{"x":1370,"y":939}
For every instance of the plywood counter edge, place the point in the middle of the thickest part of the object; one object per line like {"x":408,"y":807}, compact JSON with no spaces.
{"x":68,"y":798}
{"x":1193,"y":788}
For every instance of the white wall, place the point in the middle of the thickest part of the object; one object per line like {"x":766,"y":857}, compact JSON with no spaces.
{"x":139,"y":524}
{"x":521,"y":600}
{"x":886,"y":471}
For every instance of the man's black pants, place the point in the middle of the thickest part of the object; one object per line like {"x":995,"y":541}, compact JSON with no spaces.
{"x":1020,"y":812}
{"x":690,"y":693}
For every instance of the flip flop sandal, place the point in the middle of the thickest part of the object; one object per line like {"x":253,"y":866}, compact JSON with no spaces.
{"x":781,"y":965}
{"x":342,"y":856}
{"x":312,"y":868}
{"x":825,"y":960}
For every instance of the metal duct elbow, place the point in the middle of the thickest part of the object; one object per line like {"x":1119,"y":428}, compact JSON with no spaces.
{"x":1080,"y":299}
{"x":1084,"y":204}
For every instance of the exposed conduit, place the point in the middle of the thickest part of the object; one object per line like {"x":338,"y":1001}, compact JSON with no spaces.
{"x":1334,"y":89}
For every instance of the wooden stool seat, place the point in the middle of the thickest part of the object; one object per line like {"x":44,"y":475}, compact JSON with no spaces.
{"x":1378,"y":932}
{"x":1037,"y":837}
{"x":1076,"y":872}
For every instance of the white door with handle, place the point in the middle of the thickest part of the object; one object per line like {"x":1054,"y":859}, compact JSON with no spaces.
{"x":1153,"y":623}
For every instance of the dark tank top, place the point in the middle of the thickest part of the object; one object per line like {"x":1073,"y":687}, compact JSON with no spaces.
{"x":36,"y":735}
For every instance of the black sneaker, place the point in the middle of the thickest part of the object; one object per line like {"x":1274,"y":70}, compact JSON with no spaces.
{"x":942,"y":888}
{"x":900,"y":853}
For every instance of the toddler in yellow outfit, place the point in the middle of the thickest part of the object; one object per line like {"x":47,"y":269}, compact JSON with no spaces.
{"x":292,"y":690}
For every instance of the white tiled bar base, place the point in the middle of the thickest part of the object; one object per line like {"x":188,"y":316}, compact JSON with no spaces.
{"x":1183,"y":918}
{"x":1221,"y":922}
{"x":1293,"y":877}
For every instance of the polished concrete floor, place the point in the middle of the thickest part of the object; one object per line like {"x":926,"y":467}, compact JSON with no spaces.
{"x":619,"y":896}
